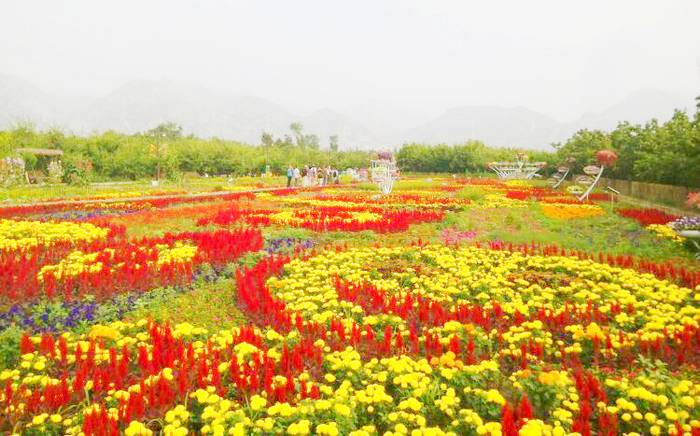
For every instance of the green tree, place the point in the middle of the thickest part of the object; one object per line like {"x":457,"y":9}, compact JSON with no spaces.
{"x":297,"y":130}
{"x":581,"y":147}
{"x":311,"y":141}
{"x":333,"y":143}
{"x":167,"y":131}
{"x":267,"y":140}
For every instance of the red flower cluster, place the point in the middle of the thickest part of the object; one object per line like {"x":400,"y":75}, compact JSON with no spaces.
{"x":328,"y":219}
{"x":646,"y":217}
{"x":135,"y":364}
{"x":130,"y":265}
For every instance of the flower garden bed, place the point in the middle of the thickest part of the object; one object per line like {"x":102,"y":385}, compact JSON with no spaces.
{"x":361,"y":315}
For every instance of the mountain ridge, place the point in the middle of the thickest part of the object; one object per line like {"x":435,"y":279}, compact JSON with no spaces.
{"x":139,"y":105}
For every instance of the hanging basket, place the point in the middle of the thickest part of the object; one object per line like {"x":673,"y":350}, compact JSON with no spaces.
{"x":606,"y":157}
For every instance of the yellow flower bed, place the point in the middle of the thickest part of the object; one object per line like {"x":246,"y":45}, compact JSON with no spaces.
{"x":18,"y":235}
{"x":498,"y":201}
{"x":288,"y":217}
{"x":665,"y":232}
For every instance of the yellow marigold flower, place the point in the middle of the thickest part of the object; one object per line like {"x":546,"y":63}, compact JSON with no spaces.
{"x":301,"y":427}
{"x":102,"y":331}
{"x":257,"y":402}
{"x":342,"y":410}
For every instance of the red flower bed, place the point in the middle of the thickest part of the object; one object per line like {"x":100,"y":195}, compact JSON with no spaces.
{"x":128,"y":265}
{"x":323,"y":219}
{"x":143,"y":366}
{"x":41,"y":209}
{"x":646,"y":217}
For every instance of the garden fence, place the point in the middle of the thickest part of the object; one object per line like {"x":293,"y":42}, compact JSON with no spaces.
{"x":654,"y":192}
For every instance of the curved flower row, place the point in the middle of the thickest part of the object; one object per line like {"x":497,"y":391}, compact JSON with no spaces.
{"x":557,"y":322}
{"x":327,"y":218}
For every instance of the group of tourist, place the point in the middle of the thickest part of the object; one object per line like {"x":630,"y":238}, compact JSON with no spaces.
{"x":312,"y":176}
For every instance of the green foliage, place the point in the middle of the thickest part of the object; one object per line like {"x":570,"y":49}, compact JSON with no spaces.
{"x":111,"y":155}
{"x":666,"y":153}
{"x":470,"y":157}
{"x":473,"y":193}
{"x":166,"y":131}
{"x":660,"y":153}
{"x":9,"y":347}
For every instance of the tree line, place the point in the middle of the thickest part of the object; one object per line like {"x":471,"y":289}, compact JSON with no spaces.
{"x":658,"y":152}
{"x":166,"y":150}
{"x":661,"y":152}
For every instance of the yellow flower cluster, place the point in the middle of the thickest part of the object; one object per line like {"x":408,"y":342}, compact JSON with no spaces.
{"x":571,"y":211}
{"x":288,"y":217}
{"x":665,"y":232}
{"x":18,"y":235}
{"x":77,"y":262}
{"x":74,"y":264}
{"x":499,"y":201}
{"x":421,"y":199}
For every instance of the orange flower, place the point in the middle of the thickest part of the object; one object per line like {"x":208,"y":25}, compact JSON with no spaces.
{"x":571,"y":211}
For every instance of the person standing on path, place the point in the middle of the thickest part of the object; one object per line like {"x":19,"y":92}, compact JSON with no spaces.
{"x":290,"y":174}
{"x":305,"y":176}
{"x":297,"y":176}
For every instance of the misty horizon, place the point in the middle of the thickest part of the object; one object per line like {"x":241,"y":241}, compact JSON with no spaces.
{"x":382,"y":71}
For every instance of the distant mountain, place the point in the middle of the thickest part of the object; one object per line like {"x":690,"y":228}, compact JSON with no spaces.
{"x":494,"y":125}
{"x":140,"y":105}
{"x":522,"y":127}
{"x":353,"y":134}
{"x":21,"y":101}
{"x":638,"y":107}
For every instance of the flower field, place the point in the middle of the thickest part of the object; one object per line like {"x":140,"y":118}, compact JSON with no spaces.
{"x":451,"y":306}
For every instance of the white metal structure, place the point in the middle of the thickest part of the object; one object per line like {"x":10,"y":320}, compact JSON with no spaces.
{"x":559,"y":177}
{"x":517,"y":170}
{"x":591,"y":170}
{"x":384,"y":173}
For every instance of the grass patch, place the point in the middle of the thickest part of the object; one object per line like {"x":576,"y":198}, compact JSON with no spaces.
{"x":210,"y":305}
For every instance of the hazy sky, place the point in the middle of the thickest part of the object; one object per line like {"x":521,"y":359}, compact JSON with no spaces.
{"x":558,"y":57}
